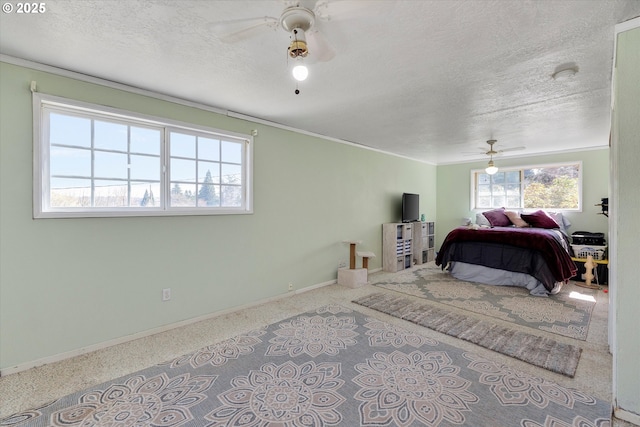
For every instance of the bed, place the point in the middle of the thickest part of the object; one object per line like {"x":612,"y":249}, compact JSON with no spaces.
{"x":531,"y":257}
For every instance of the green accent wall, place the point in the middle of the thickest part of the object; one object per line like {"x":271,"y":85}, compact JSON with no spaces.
{"x":66,"y":284}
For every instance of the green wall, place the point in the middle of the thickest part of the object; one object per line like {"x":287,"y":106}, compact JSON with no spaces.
{"x":625,"y":228}
{"x":72,"y":283}
{"x":66,"y":284}
{"x":456,"y":179}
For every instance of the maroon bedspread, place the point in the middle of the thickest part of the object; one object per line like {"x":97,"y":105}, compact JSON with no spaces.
{"x":542,"y":240}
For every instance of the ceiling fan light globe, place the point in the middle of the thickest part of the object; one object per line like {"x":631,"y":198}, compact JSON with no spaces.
{"x":491,"y":168}
{"x":300,"y":73}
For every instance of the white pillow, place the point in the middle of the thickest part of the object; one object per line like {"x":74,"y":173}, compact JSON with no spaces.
{"x":562,"y":221}
{"x":482,"y":220}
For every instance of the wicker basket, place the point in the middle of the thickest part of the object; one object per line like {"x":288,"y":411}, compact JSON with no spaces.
{"x":597,"y":252}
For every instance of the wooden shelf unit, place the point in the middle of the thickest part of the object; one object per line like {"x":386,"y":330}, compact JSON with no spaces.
{"x":424,"y":242}
{"x":406,"y":244}
{"x":397,"y":246}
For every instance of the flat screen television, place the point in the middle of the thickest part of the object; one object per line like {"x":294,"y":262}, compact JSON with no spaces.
{"x":410,"y":207}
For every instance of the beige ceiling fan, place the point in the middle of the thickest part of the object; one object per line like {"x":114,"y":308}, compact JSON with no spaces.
{"x":491,"y":152}
{"x":491,"y":168}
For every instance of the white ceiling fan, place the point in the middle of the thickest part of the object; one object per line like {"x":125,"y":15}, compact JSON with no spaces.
{"x":297,"y":19}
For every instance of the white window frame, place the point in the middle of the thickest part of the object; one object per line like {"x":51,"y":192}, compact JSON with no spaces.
{"x":41,"y":174}
{"x":473,"y":186}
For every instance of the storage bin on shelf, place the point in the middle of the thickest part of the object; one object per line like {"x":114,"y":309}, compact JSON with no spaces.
{"x":598,"y":253}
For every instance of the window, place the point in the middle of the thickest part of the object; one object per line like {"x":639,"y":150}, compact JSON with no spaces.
{"x":555,"y":186}
{"x":91,"y":160}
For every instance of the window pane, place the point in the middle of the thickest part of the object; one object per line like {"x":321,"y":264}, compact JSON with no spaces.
{"x":231,"y":174}
{"x":231,"y":196}
{"x":208,"y":149}
{"x":137,"y":192}
{"x":146,"y":195}
{"x":484,"y":190}
{"x":484,"y":179}
{"x":513,"y":202}
{"x":231,"y":152}
{"x":497,"y":189}
{"x":183,"y":145}
{"x":498,"y":201}
{"x":208,"y":195}
{"x":110,"y":194}
{"x":110,"y":136}
{"x":70,"y":184}
{"x":183,"y":170}
{"x":498,"y":178}
{"x":513,"y":189}
{"x":513,"y":195}
{"x":484,"y":202}
{"x":110,"y":165}
{"x":183,"y":195}
{"x":513,"y":177}
{"x":145,"y":167}
{"x":208,"y":172}
{"x":70,"y":193}
{"x":69,"y":130}
{"x":552,"y":187}
{"x":70,"y":162}
{"x":145,"y":140}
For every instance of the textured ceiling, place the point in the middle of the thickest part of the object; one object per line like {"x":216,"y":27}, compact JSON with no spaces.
{"x":430,"y":80}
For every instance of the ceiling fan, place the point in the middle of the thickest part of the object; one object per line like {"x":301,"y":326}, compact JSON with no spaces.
{"x":492,"y":151}
{"x":491,"y":168}
{"x":300,"y":21}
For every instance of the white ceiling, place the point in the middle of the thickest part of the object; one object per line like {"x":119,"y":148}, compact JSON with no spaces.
{"x":429,"y":80}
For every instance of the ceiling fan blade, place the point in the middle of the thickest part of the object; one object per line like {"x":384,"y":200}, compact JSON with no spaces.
{"x":319,"y":46}
{"x":242,"y":29}
{"x":347,"y":9}
{"x":486,"y":153}
{"x":511,"y":149}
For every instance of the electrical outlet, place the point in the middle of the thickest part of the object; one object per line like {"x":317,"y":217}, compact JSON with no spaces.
{"x":290,"y":286}
{"x":166,"y":294}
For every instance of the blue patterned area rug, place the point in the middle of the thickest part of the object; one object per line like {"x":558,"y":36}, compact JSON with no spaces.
{"x":568,"y":313}
{"x":329,"y":367}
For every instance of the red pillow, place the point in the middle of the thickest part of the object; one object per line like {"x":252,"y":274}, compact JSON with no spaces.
{"x":540,"y":219}
{"x":497,"y":218}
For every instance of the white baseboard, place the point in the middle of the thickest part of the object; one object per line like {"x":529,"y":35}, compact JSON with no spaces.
{"x":627,"y":416}
{"x":105,"y":344}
